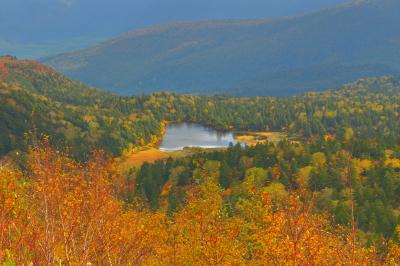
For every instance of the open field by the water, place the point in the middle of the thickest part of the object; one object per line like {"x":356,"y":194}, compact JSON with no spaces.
{"x":148,"y":155}
{"x":153,"y":154}
{"x":254,"y":138}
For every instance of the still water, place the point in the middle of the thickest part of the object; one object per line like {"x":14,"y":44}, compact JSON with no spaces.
{"x":179,"y":136}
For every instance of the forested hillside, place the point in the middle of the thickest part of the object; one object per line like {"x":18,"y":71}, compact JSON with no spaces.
{"x":62,"y":212}
{"x":328,"y":169}
{"x":247,"y":57}
{"x":38,"y":28}
{"x":330,"y":196}
{"x":260,"y":141}
{"x":34,"y":96}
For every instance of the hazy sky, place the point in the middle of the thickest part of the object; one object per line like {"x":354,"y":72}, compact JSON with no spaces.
{"x":38,"y":20}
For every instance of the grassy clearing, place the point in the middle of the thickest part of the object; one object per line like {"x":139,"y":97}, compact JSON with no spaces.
{"x":254,"y":138}
{"x":149,"y":154}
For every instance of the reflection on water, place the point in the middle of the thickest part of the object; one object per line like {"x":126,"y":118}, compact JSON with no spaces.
{"x":179,"y":136}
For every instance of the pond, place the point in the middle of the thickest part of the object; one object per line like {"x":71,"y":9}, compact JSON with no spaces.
{"x":179,"y":136}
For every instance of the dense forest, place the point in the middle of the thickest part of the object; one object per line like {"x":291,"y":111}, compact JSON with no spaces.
{"x":83,"y":117}
{"x":327,"y":169}
{"x":66,"y":199}
{"x":58,"y":211}
{"x":35,"y":97}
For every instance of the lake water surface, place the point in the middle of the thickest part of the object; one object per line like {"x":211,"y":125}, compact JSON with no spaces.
{"x":179,"y":136}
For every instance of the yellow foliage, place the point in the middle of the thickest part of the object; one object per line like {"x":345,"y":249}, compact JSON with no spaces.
{"x":318,"y":159}
{"x":394,"y":163}
{"x":70,"y":214}
{"x":348,"y":134}
{"x":304,"y":175}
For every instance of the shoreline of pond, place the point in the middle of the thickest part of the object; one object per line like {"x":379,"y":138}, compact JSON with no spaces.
{"x":245,"y":138}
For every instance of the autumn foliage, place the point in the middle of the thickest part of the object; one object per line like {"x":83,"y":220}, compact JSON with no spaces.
{"x":3,"y":71}
{"x":67,"y":214}
{"x":9,"y":62}
{"x":62,"y":212}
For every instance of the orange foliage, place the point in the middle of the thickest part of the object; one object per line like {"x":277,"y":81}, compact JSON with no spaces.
{"x":9,"y":62}
{"x":75,"y":217}
{"x":202,"y":234}
{"x":15,"y":233}
{"x":63,"y":212}
{"x":150,"y":155}
{"x":3,"y":71}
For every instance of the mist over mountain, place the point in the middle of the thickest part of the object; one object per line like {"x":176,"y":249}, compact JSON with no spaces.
{"x":35,"y":28}
{"x":281,"y":56}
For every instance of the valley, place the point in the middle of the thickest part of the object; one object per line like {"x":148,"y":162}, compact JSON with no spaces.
{"x":88,"y":151}
{"x":249,"y":140}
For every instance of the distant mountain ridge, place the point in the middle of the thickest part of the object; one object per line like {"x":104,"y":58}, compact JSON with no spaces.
{"x":40,"y":28}
{"x":247,"y":57}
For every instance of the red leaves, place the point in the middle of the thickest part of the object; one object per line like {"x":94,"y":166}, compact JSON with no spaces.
{"x":3,"y":71}
{"x":22,"y":67}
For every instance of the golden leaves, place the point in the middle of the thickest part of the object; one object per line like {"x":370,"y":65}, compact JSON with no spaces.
{"x":74,"y":217}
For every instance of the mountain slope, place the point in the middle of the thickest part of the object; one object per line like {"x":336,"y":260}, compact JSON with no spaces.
{"x":284,"y":56}
{"x":34,"y":97}
{"x":39,"y":28}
